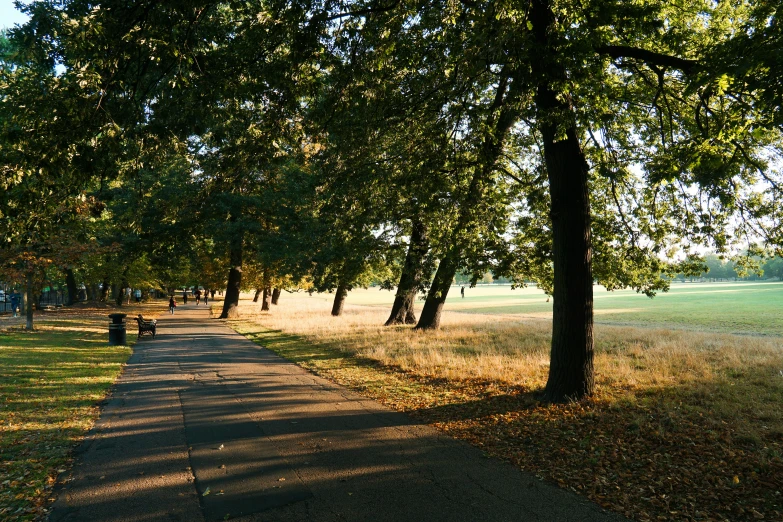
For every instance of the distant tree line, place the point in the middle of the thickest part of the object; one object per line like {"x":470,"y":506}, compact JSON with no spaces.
{"x":720,"y":268}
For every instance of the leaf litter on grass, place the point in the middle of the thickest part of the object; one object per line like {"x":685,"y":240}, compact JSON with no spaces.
{"x":52,"y":381}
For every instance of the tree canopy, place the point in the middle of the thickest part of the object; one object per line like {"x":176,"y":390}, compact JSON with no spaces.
{"x":335,"y":144}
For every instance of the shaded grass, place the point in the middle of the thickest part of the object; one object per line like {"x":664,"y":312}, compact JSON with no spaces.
{"x":685,"y":425}
{"x":51,"y":384}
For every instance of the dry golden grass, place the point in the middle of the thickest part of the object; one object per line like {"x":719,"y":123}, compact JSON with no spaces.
{"x":515,"y":351}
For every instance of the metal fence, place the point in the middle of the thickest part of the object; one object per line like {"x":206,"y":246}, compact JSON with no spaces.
{"x":50,"y":298}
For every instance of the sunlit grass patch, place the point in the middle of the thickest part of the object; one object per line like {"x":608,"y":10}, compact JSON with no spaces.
{"x":50,"y":384}
{"x":685,"y":425}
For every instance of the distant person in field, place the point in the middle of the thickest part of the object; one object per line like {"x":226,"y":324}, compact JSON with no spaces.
{"x":137,"y":295}
{"x":185,"y":296}
{"x":172,"y":305}
{"x":206,"y":296}
{"x":462,"y":291}
{"x":197,"y":293}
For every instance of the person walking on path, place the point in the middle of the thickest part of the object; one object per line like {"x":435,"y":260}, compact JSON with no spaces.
{"x":206,"y":296}
{"x":462,"y":291}
{"x":14,"y":303}
{"x":172,"y":304}
{"x":185,"y":296}
{"x":197,"y":293}
{"x":137,"y":295}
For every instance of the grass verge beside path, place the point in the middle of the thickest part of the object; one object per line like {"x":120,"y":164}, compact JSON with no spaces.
{"x":51,"y":383}
{"x":684,"y":426}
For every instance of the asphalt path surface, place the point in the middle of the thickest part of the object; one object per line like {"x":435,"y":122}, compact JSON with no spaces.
{"x":204,"y":425}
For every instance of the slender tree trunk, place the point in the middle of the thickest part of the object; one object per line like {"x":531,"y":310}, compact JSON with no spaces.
{"x":231,"y":301}
{"x":121,"y":294}
{"x":105,"y":290}
{"x":339,"y":299}
{"x":258,"y":293}
{"x":267,"y":299}
{"x":571,"y":373}
{"x":70,"y":282}
{"x":412,"y":272}
{"x":275,"y":296}
{"x":28,"y":299}
{"x":505,"y":112}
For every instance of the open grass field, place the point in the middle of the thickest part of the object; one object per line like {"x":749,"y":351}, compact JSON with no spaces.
{"x":738,"y":307}
{"x":52,"y":381}
{"x":686,"y":424}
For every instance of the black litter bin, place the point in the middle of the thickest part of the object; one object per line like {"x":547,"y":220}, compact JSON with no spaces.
{"x":117,"y":333}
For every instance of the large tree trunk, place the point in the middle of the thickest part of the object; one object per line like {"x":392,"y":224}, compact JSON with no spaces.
{"x":231,"y":302}
{"x":70,"y":282}
{"x":571,"y":373}
{"x":439,"y":290}
{"x":28,"y":300}
{"x":275,"y":296}
{"x":412,"y":272}
{"x":258,"y":293}
{"x":339,"y":299}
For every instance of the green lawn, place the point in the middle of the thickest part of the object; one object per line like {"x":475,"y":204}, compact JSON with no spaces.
{"x":51,"y":381}
{"x":745,"y":308}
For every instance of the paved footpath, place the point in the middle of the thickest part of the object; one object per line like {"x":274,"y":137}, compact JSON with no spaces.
{"x":206,"y":425}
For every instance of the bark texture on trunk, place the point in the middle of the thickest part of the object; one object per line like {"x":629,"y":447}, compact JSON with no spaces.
{"x":412,"y":273}
{"x":28,"y":299}
{"x":256,"y":295}
{"x":571,"y":373}
{"x":231,"y":301}
{"x":275,"y":295}
{"x":339,"y":300}
{"x":70,"y":282}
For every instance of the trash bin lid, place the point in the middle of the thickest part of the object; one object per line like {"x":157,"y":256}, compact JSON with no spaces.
{"x":118,"y":317}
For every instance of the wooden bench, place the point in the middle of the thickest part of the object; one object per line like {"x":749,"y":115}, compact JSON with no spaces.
{"x":146,"y":326}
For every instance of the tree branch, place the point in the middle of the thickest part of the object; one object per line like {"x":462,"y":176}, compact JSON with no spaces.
{"x":649,"y":57}
{"x":363,"y":12}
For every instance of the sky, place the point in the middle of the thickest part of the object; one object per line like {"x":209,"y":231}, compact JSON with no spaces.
{"x":9,"y":16}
